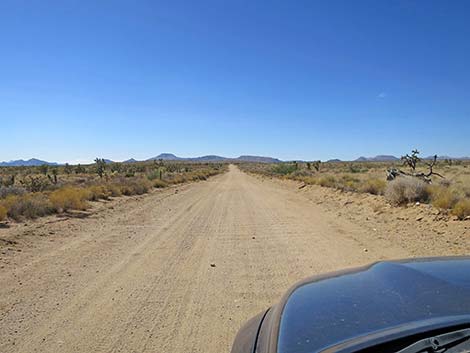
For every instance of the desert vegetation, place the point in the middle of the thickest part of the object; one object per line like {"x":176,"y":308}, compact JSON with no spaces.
{"x":445,"y":184}
{"x":31,"y":192}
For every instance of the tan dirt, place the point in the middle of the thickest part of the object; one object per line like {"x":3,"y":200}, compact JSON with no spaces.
{"x":181,"y":269}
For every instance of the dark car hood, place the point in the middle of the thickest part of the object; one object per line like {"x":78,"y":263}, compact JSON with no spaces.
{"x":393,"y":297}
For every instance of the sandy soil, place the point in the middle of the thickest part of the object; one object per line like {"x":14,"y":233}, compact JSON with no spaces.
{"x":181,"y":269}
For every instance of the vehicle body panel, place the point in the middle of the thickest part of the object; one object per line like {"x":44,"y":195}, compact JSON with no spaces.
{"x":354,"y":309}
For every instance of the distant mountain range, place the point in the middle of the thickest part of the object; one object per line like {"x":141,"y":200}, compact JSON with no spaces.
{"x":28,"y":163}
{"x":389,"y":158}
{"x":213,"y":158}
{"x":379,"y":158}
{"x":163,"y":156}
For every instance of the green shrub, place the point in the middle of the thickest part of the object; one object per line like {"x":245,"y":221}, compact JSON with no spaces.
{"x":301,"y":173}
{"x":284,"y":168}
{"x":155,"y":174}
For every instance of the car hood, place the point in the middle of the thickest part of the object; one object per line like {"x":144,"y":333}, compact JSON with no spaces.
{"x":382,"y":301}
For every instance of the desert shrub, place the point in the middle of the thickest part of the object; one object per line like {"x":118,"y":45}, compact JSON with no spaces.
{"x":98,"y":192}
{"x":113,"y":190}
{"x":348,"y":185}
{"x":466,"y":191}
{"x":3,"y":213}
{"x":136,"y":186}
{"x":199,"y":176}
{"x":347,"y":182}
{"x":374,"y":186}
{"x":284,"y":168}
{"x":327,"y":181}
{"x":462,"y":209}
{"x":69,"y":198}
{"x":178,"y":179}
{"x":445,"y":182}
{"x":300,"y":173}
{"x":28,"y":206}
{"x":159,"y":184}
{"x":11,"y":190}
{"x":36,"y":183}
{"x":355,"y":169}
{"x":442,"y":196}
{"x":155,"y":174}
{"x":308,"y":180}
{"x":403,"y":190}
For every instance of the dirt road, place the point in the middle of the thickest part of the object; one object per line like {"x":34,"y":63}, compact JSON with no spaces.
{"x":175,"y":271}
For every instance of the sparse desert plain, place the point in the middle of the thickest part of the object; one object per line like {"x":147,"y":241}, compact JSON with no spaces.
{"x":181,"y":268}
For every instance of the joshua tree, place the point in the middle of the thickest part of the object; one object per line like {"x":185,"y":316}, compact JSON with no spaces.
{"x":44,"y":168}
{"x":67,"y":169}
{"x":411,"y":161}
{"x":100,"y":166}
{"x":54,"y":173}
{"x":317,"y":165}
{"x":79,"y":169}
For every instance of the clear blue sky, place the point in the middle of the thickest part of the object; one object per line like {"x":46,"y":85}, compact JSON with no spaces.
{"x":289,"y":79}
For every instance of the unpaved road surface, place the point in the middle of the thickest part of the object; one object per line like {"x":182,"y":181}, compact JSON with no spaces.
{"x":176,"y":271}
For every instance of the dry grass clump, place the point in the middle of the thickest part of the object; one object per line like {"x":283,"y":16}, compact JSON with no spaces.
{"x":113,"y":190}
{"x":3,"y":213}
{"x":27,"y":206}
{"x":301,"y":173}
{"x":309,"y":180}
{"x":159,"y":184}
{"x":347,"y":182}
{"x":200,"y":175}
{"x":137,"y":186}
{"x":70,"y":198}
{"x":327,"y":181}
{"x":462,"y":209}
{"x":374,"y":186}
{"x":99,"y":192}
{"x":442,"y":196}
{"x":404,"y":190}
{"x":177,"y":179}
